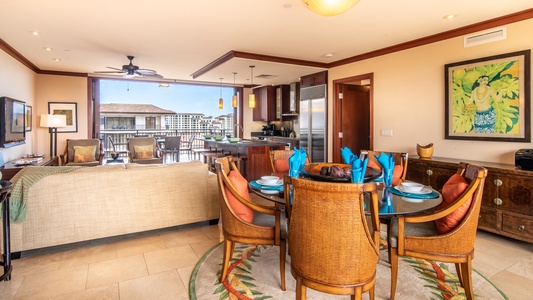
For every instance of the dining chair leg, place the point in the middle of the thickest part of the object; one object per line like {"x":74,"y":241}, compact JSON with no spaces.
{"x":393,"y":252}
{"x":301,"y":290}
{"x":466,"y":275}
{"x":372,"y":292}
{"x":228,"y":253}
{"x":282,"y":255}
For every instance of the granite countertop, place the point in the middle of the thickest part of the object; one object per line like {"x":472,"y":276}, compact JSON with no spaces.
{"x":245,"y":143}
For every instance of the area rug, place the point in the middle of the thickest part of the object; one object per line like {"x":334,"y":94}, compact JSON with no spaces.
{"x":254,"y":274}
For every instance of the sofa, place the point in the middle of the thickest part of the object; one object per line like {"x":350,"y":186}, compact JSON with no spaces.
{"x":89,"y":203}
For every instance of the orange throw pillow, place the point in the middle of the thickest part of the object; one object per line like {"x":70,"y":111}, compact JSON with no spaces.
{"x":282,"y":167}
{"x":453,"y":188}
{"x":241,"y":185}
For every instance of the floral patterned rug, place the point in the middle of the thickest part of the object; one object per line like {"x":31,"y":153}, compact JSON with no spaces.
{"x":254,"y":274}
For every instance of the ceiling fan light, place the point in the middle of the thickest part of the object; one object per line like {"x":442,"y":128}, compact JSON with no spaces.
{"x":234,"y":101}
{"x":329,"y":7}
{"x":251,"y":100}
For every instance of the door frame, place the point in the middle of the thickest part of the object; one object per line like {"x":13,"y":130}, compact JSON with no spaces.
{"x":337,"y":108}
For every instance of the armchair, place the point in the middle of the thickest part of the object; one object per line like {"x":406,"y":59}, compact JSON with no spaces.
{"x":82,"y":152}
{"x":447,"y":234}
{"x":144,"y":150}
{"x":244,"y":221}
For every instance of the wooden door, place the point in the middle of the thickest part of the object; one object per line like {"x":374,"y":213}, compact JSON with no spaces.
{"x":355,"y":116}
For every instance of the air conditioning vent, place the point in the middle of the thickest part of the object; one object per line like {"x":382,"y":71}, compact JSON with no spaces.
{"x":266,"y":76}
{"x":486,"y":36}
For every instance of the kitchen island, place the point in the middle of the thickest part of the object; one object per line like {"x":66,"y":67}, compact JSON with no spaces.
{"x":255,"y":154}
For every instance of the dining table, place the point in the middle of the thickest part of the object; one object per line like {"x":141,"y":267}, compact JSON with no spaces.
{"x":392,"y":200}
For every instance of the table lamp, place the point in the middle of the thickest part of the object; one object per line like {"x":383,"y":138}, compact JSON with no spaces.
{"x":53,"y":122}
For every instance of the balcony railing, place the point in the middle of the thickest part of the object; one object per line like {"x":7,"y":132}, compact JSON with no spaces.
{"x":120,"y":136}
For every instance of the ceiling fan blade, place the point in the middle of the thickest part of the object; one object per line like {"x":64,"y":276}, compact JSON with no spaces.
{"x":109,"y":72}
{"x":112,"y":68}
{"x":145,"y":71}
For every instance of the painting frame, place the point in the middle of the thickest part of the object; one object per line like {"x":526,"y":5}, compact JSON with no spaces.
{"x":70,"y":110}
{"x":28,"y":115}
{"x":488,"y":99}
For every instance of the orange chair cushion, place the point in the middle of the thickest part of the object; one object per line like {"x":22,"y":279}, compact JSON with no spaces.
{"x":241,"y":185}
{"x":83,"y":154}
{"x":397,"y":172}
{"x":453,"y":188}
{"x":281,"y":167}
{"x":144,"y":151}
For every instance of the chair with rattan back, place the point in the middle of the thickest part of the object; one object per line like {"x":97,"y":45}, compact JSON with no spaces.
{"x":400,"y":159}
{"x":267,"y":228}
{"x":418,"y":236}
{"x":332,"y":247}
{"x":279,"y":160}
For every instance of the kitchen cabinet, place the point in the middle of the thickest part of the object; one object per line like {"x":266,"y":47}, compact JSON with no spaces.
{"x":314,"y":79}
{"x":282,"y":103}
{"x":265,"y":106}
{"x":507,"y":206}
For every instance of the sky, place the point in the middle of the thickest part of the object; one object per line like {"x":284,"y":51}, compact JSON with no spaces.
{"x":180,"y":98}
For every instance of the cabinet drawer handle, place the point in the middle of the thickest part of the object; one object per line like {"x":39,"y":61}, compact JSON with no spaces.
{"x":521,"y":228}
{"x":497,"y":182}
{"x":429,"y":172}
{"x":498,"y":201}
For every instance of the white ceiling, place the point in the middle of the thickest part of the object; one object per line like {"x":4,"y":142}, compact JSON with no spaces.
{"x":177,"y":38}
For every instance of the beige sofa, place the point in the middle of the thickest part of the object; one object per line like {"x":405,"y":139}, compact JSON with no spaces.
{"x":104,"y":201}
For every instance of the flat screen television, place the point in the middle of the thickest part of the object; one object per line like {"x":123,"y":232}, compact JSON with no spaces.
{"x":12,"y":122}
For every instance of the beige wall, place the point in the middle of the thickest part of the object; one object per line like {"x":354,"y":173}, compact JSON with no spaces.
{"x":18,"y":82}
{"x":52,"y":88}
{"x":409,"y":96}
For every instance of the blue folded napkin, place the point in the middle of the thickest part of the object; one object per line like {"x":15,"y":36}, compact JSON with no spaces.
{"x":432,"y":195}
{"x":385,"y":206}
{"x":387,"y":164}
{"x":297,"y":161}
{"x":358,"y":169}
{"x":256,"y":185}
{"x":347,"y":155}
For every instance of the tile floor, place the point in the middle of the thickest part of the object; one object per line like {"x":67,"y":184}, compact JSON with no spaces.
{"x":158,"y":264}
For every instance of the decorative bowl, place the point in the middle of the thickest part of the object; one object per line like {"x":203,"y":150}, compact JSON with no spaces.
{"x":207,"y":136}
{"x":424,"y":151}
{"x":412,"y":186}
{"x":219,"y":138}
{"x":270,"y":179}
{"x":234,"y":140}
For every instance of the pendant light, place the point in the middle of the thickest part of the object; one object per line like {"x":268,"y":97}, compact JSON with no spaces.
{"x":329,"y":7}
{"x":251,"y":98}
{"x":234,"y":100}
{"x":221,"y":101}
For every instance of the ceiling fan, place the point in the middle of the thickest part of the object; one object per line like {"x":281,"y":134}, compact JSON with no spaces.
{"x":131,"y":70}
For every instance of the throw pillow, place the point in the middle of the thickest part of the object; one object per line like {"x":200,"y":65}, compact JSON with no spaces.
{"x":144,"y":151}
{"x":397,"y":173}
{"x":282,"y":167}
{"x":83,"y":154}
{"x":241,"y":185}
{"x":452,"y":189}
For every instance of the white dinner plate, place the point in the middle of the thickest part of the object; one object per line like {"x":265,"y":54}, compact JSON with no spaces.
{"x":270,"y":192}
{"x":260,"y":181}
{"x":424,"y":190}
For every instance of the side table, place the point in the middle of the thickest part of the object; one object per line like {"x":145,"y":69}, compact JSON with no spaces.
{"x":10,"y":168}
{"x":5,"y":193}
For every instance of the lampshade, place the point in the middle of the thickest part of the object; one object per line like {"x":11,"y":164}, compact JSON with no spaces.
{"x":220,"y":103}
{"x":329,"y":7}
{"x":251,"y":98}
{"x":53,"y":121}
{"x":234,"y":101}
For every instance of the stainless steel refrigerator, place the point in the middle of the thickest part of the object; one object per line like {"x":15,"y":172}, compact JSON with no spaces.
{"x":313,"y":122}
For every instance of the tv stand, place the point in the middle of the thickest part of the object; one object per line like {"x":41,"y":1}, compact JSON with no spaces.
{"x":10,"y":169}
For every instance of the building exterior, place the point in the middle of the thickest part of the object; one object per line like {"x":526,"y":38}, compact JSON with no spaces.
{"x":132,"y":116}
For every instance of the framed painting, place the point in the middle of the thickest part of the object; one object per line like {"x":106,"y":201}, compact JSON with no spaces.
{"x":28,"y":118}
{"x":488,"y":99}
{"x":70,"y":110}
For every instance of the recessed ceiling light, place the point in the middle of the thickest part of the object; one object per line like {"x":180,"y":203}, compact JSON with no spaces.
{"x":449,"y":17}
{"x":57,"y":59}
{"x":48,"y":48}
{"x":287,"y":5}
{"x":36,"y":33}
{"x":328,"y":55}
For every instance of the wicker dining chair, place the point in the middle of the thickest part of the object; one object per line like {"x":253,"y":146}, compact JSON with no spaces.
{"x":427,"y":237}
{"x":400,"y":163}
{"x":279,"y":160}
{"x":332,"y":247}
{"x":267,"y":227}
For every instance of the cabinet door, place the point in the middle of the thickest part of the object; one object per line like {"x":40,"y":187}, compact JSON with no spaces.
{"x":257,"y":113}
{"x":278,"y":103}
{"x":430,"y":173}
{"x":509,"y":192}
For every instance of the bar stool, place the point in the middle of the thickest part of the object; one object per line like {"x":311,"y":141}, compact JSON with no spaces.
{"x":197,"y":153}
{"x":210,"y":158}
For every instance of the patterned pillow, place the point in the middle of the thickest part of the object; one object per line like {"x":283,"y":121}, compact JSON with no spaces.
{"x":83,"y":154}
{"x":144,"y":151}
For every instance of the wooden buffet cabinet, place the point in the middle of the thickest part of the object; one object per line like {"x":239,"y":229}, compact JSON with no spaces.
{"x":507,"y":206}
